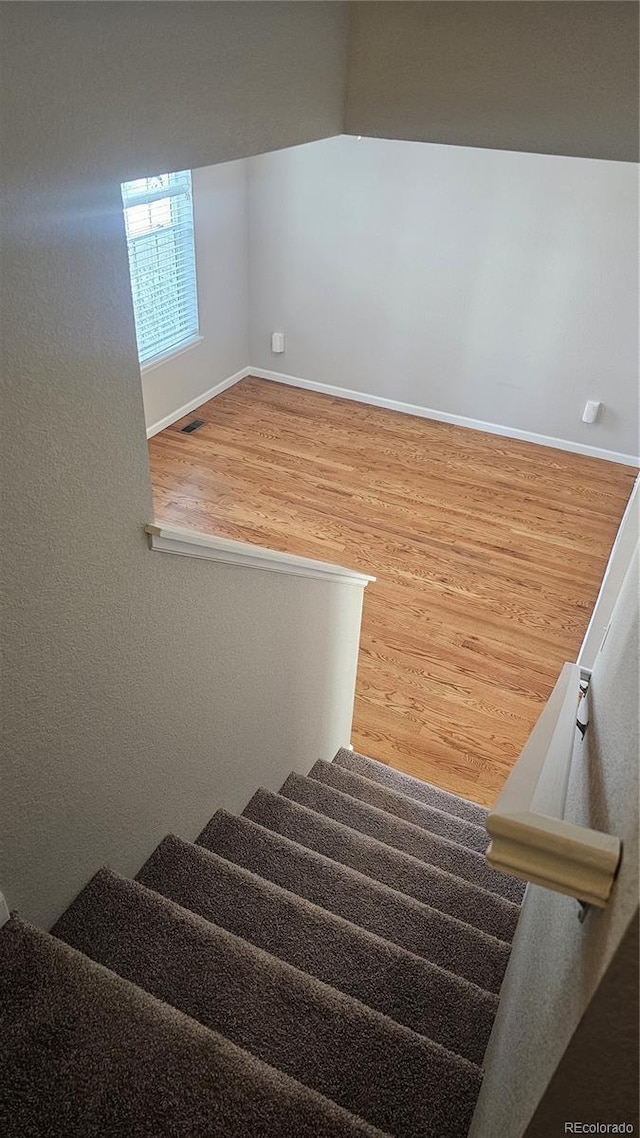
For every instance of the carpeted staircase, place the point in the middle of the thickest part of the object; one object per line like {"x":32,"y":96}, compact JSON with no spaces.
{"x":327,"y":965}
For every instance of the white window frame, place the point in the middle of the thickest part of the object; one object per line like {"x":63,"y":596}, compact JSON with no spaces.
{"x":160,"y":235}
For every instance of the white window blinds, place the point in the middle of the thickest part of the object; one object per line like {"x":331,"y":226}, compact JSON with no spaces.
{"x":158,"y":215}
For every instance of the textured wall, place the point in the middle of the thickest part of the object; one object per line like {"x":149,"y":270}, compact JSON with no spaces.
{"x":557,"y":963}
{"x":597,"y":1077}
{"x":484,"y":283}
{"x":220,"y":223}
{"x":113,"y":93}
{"x":140,"y":690}
{"x":554,"y":78}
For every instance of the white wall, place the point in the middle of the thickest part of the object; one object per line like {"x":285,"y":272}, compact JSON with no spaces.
{"x":139,"y":690}
{"x":490,"y":284}
{"x":220,"y":224}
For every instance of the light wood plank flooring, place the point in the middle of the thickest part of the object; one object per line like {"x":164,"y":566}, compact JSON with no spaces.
{"x":488,"y":554}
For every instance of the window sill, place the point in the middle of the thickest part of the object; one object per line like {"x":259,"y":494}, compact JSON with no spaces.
{"x":164,"y":357}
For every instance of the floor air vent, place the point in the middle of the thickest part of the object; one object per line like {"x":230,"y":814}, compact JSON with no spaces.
{"x":191,"y":427}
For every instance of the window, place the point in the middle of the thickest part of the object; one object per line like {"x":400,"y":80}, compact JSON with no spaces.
{"x":158,"y":214}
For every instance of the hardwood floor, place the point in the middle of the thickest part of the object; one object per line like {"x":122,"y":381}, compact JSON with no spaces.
{"x":488,"y":554}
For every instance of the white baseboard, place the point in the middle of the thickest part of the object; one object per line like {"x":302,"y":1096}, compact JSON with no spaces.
{"x":446,"y":417}
{"x":155,"y":428}
{"x":393,"y":405}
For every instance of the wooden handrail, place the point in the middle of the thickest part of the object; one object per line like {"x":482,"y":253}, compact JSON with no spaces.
{"x":527,"y":839}
{"x":190,"y":543}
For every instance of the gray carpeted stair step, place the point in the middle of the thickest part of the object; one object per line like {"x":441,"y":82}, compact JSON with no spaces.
{"x":447,"y":826}
{"x":85,"y":1054}
{"x":389,"y":979}
{"x":390,"y":914}
{"x":376,"y":1069}
{"x":407,"y":874}
{"x":411,"y":787}
{"x":427,"y":847}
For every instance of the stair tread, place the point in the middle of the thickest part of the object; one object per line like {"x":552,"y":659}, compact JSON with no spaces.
{"x":405,"y":987}
{"x":86,"y":1054}
{"x":411,"y":787}
{"x":394,"y":1078}
{"x":383,"y":910}
{"x":430,"y":818}
{"x":395,"y":832}
{"x":427,"y":883}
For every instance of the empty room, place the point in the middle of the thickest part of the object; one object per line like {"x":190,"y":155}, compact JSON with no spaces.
{"x":422,"y":330}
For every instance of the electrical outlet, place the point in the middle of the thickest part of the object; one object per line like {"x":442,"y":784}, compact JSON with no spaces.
{"x":591,"y":411}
